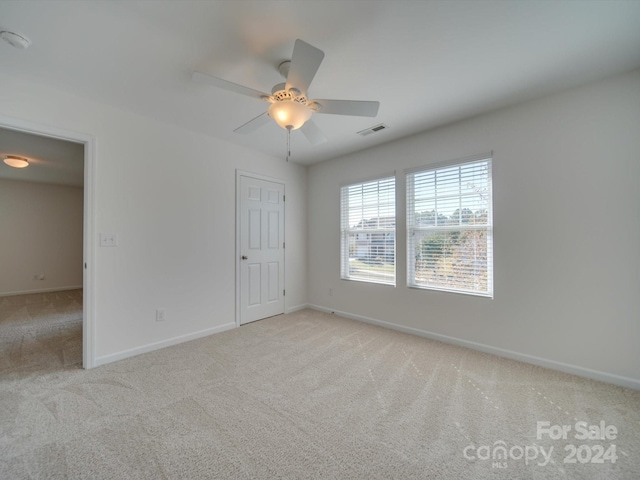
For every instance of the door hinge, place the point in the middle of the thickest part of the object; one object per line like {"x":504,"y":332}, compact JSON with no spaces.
{"x":283,"y":198}
{"x":282,"y":244}
{"x":283,"y":293}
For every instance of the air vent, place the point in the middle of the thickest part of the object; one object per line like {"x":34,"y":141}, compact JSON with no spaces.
{"x":371,"y":130}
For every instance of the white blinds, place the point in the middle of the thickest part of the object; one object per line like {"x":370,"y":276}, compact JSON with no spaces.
{"x":368,"y":231}
{"x":449,"y":228}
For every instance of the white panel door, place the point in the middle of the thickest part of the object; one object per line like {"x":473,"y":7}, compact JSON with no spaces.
{"x":261,"y":249}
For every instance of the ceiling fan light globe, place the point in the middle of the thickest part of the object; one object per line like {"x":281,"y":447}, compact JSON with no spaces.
{"x":289,"y":114}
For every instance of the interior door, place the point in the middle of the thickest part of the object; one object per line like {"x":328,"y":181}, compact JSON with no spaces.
{"x":261,"y":249}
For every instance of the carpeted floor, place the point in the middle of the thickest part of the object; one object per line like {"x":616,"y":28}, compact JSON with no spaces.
{"x":303,"y":395}
{"x":40,"y":332}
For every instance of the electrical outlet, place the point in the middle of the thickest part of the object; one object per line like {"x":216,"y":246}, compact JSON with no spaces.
{"x":161,"y":315}
{"x":331,"y":292}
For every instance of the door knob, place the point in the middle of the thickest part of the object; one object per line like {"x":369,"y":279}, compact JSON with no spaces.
{"x":244,"y":257}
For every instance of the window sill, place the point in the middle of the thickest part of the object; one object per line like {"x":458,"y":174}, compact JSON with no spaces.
{"x":450,"y":290}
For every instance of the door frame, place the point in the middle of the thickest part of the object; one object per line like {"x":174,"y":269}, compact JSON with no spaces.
{"x":244,"y":173}
{"x":88,"y":250}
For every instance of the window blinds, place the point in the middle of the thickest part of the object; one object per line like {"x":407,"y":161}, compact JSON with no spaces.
{"x":368,"y":231}
{"x":449,"y":228}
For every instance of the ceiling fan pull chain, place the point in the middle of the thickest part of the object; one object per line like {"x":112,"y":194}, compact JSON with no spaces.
{"x":288,"y":142}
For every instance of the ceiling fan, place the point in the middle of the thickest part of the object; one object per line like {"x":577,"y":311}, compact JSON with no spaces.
{"x":290,"y":107}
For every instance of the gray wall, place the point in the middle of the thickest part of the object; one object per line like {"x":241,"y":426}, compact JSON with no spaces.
{"x":40,"y":233}
{"x":170,"y":196}
{"x":566,"y":175}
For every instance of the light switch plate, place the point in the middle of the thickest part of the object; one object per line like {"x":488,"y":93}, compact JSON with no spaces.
{"x":108,"y":239}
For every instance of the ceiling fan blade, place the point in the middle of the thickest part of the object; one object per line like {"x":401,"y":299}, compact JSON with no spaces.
{"x":348,"y":107}
{"x":304,"y":64}
{"x":253,"y":124}
{"x":313,"y":133}
{"x":226,"y":85}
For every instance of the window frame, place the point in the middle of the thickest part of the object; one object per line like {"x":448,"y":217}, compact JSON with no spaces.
{"x":346,"y":230}
{"x":412,"y":229}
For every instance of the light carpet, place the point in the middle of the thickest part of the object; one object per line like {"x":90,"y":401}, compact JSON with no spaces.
{"x":302,"y":395}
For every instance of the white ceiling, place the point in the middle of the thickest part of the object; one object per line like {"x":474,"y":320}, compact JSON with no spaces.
{"x":428,"y":62}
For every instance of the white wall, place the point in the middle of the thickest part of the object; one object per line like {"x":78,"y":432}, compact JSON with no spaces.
{"x":40,"y":233}
{"x":566,"y":175}
{"x":170,"y":195}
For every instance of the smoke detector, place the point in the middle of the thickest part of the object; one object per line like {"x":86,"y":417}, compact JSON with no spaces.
{"x":14,"y":39}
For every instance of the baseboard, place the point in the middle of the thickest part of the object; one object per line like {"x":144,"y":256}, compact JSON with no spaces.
{"x":296,"y":308}
{"x":43,"y":290}
{"x":500,"y":352}
{"x":103,"y":360}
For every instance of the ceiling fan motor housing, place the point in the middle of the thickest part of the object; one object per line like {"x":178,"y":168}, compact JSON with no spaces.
{"x":283,"y":95}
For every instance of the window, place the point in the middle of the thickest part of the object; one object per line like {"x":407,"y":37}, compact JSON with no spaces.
{"x":450,"y":228}
{"x":368,"y":230}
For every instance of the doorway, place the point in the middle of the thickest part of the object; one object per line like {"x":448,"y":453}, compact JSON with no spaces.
{"x":42,"y":132}
{"x":260,"y":247}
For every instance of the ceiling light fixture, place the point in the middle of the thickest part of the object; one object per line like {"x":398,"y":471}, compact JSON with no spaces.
{"x":289,"y":109}
{"x":289,"y":114}
{"x":15,"y":161}
{"x":14,"y":39}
